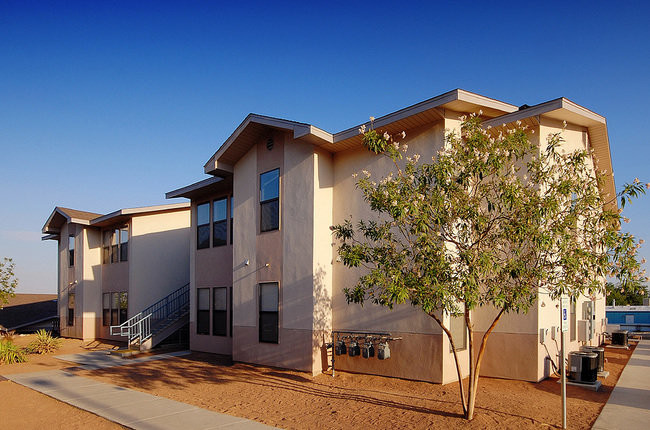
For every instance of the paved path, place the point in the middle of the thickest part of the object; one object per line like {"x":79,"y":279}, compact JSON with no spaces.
{"x":130,"y":408}
{"x":628,"y":406}
{"x":101,"y":359}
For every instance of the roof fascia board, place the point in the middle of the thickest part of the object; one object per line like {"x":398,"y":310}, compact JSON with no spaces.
{"x":140,"y":211}
{"x":544,"y":108}
{"x":180,"y":192}
{"x":433,"y":103}
{"x":51,"y":237}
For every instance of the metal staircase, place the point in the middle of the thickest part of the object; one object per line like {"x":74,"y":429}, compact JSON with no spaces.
{"x":149,"y":327}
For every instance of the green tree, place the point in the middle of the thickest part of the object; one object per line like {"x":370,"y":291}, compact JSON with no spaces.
{"x":491,"y":220}
{"x":8,"y":281}
{"x":624,"y":297}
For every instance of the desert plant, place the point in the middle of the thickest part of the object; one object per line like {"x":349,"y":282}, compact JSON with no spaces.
{"x":44,"y":343}
{"x":7,"y":334}
{"x":10,"y":353}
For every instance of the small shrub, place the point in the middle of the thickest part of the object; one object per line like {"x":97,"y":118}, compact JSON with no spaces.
{"x":10,"y":353}
{"x":44,"y":343}
{"x":7,"y":334}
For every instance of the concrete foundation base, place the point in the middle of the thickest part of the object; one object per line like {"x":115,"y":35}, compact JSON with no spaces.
{"x":603,"y":374}
{"x":592,"y":386}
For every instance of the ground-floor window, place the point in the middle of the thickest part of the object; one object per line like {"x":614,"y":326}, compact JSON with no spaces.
{"x":203,"y":311}
{"x":220,"y":311}
{"x":71,"y":300}
{"x":269,"y":314}
{"x":215,"y":310}
{"x":115,"y":307}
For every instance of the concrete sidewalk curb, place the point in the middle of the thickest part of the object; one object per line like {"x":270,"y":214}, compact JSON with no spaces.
{"x":128,"y":407}
{"x":628,"y":406}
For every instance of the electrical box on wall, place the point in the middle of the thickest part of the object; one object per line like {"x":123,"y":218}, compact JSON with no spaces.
{"x":542,"y":335}
{"x":553,"y":330}
{"x":585,"y":330}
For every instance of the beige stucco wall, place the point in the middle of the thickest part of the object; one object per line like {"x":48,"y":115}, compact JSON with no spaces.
{"x":158,"y":257}
{"x":90,"y":263}
{"x":423,"y":340}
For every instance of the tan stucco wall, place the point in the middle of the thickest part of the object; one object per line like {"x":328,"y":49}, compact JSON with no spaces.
{"x":158,"y":257}
{"x":424,"y":351}
{"x":90,"y":263}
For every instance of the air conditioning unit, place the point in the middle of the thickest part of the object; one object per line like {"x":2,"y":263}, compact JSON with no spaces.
{"x":619,"y":337}
{"x":583,"y":367}
{"x":601,"y":355}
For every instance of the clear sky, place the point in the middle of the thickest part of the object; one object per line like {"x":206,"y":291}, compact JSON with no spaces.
{"x":109,"y":104}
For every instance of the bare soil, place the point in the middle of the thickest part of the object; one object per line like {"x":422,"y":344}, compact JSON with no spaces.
{"x":295,"y":400}
{"x":22,"y":408}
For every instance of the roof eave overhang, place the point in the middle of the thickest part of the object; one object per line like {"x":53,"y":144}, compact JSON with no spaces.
{"x":563,"y":109}
{"x":51,"y":236}
{"x":123,"y":215}
{"x":425,"y":112}
{"x":249,"y":131}
{"x":199,"y":188}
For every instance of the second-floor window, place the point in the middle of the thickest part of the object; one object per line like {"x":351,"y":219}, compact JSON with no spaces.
{"x":212,"y":223}
{"x":270,"y":200}
{"x":220,"y":222}
{"x":115,"y":245}
{"x":71,"y":250}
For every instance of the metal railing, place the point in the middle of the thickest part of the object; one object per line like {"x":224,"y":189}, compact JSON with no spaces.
{"x":145,"y":324}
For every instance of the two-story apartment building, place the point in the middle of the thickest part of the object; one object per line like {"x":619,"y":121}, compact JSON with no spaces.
{"x":265,"y":283}
{"x":114,"y":265}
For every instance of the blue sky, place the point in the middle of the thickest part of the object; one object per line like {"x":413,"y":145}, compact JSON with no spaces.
{"x":110,"y":104}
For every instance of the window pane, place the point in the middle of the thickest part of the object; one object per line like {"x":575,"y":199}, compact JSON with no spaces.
{"x":269,"y":327}
{"x":219,"y":299}
{"x":115,"y":300}
{"x":220,"y":233}
{"x":124,"y":244}
{"x":106,"y":317}
{"x":106,"y":309}
{"x":203,"y":322}
{"x":203,"y":214}
{"x":203,"y":236}
{"x":71,"y":299}
{"x":269,"y":297}
{"x":106,"y":300}
{"x":71,"y":250}
{"x":270,"y":185}
{"x":219,"y":210}
{"x":124,"y":302}
{"x":270,"y":216}
{"x":219,"y":323}
{"x":114,"y":317}
{"x":231,"y":218}
{"x":203,"y":297}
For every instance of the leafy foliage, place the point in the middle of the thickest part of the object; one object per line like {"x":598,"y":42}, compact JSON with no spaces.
{"x":44,"y":343}
{"x":8,"y":281}
{"x":10,"y":353}
{"x":626,"y":297}
{"x":491,"y":220}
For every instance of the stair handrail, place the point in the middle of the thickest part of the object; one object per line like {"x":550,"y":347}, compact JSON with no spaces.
{"x":140,"y":325}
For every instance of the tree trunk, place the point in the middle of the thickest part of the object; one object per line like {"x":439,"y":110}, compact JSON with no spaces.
{"x":476,"y":365}
{"x":458,"y":372}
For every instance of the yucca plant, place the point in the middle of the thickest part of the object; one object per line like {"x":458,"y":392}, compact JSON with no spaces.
{"x":44,"y":343}
{"x":10,"y":353}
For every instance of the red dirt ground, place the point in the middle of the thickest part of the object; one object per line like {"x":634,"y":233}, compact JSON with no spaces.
{"x":295,"y":400}
{"x":22,"y":408}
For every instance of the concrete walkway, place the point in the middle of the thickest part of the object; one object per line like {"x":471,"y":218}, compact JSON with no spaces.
{"x":130,"y":408}
{"x":628,"y":406}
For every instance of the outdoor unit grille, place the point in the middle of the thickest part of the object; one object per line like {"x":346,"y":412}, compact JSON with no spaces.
{"x":601,"y":355}
{"x":583,"y":367}
{"x":619,"y":337}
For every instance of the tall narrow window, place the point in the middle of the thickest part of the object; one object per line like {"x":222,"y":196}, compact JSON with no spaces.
{"x":203,"y":226}
{"x":71,"y":250}
{"x":106,"y":246}
{"x":203,"y":311}
{"x":219,"y":311}
{"x":115,"y":256}
{"x":231,"y":213}
{"x":269,"y":301}
{"x":269,"y":200}
{"x":219,"y":222}
{"x":124,"y":243}
{"x":71,"y":304}
{"x":124,"y":307}
{"x":115,"y":306}
{"x":106,"y":309}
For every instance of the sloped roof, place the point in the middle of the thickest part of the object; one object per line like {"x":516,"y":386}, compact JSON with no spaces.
{"x":256,"y":126}
{"x":62,"y":215}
